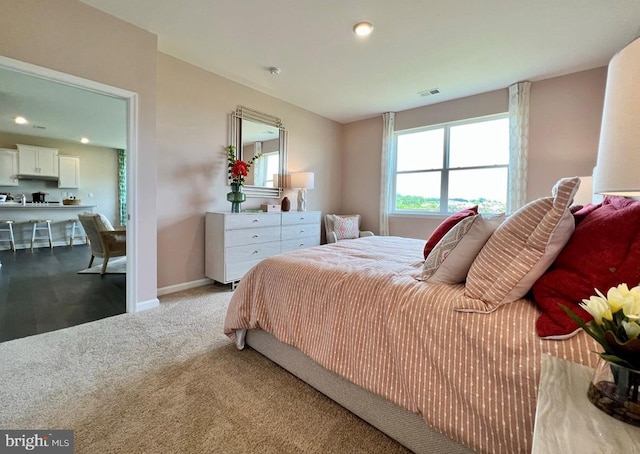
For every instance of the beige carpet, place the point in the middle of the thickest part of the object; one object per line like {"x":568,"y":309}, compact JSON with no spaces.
{"x":117,"y":265}
{"x":167,"y":380}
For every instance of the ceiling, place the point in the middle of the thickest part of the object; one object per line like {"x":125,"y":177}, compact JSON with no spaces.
{"x":462,"y":47}
{"x":60,"y":111}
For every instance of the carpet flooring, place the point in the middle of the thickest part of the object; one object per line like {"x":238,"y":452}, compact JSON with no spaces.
{"x":167,"y":380}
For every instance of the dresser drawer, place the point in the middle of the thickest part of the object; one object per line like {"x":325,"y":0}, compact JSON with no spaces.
{"x":251,"y":220}
{"x":300,"y":231}
{"x":301,"y":217}
{"x":300,"y":243}
{"x":251,"y":252}
{"x":235,"y":270}
{"x":244,"y":237}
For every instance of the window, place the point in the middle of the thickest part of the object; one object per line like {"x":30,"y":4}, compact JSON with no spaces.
{"x":445,"y":168}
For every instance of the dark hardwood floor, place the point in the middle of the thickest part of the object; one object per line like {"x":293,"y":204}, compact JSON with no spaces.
{"x":40,"y":291}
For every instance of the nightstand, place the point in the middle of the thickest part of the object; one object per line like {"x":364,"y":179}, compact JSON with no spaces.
{"x":566,"y":422}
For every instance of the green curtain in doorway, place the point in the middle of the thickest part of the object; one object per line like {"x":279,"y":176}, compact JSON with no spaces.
{"x":122,"y":186}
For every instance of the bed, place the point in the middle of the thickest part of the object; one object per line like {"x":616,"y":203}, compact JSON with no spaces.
{"x":355,"y":320}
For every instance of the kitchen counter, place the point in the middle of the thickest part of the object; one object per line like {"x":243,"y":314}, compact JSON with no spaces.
{"x":59,"y":214}
{"x":46,"y":205}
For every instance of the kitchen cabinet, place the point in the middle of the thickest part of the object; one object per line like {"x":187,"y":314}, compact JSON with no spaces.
{"x":69,"y":170}
{"x":8,"y":167}
{"x":38,"y":161}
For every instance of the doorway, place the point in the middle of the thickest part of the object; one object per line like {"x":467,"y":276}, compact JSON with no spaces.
{"x":130,"y":102}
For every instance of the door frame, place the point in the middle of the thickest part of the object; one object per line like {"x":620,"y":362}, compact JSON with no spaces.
{"x":131,"y":102}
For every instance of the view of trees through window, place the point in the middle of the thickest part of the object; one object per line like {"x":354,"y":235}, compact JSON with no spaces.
{"x":453,"y":166}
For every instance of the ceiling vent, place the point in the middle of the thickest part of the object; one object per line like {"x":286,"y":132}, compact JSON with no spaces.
{"x":429,"y":92}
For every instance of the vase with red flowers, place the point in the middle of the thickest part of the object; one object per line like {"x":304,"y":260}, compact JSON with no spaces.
{"x":237,"y":170}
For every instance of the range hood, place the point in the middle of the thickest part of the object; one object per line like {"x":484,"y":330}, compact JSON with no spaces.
{"x":37,"y":177}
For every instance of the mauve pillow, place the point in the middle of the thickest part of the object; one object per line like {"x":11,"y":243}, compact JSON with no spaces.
{"x":603,"y":251}
{"x":447,"y":225}
{"x":520,"y":250}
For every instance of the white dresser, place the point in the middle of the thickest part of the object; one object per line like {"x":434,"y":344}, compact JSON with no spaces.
{"x":234,"y":242}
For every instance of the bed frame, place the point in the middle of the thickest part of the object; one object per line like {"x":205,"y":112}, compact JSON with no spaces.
{"x":407,"y":428}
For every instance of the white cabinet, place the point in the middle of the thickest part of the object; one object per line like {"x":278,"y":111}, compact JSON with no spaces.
{"x":69,"y":169}
{"x":38,"y":161}
{"x":8,"y":167}
{"x":235,"y":242}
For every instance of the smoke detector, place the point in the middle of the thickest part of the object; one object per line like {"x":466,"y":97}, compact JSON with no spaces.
{"x":274,"y":70}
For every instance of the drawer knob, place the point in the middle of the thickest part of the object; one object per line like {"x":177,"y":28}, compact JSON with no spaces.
{"x":255,"y":252}
{"x":301,"y":231}
{"x":255,"y":236}
{"x":256,"y":220}
{"x":301,"y":245}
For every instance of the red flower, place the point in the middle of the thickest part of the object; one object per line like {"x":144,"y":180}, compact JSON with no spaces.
{"x":240,"y":168}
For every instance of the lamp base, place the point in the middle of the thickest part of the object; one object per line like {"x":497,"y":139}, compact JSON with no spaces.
{"x":302,"y":200}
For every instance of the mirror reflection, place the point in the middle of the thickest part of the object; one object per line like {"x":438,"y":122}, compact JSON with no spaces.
{"x":265,"y":139}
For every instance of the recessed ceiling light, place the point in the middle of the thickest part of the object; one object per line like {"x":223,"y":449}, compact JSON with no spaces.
{"x":84,"y":140}
{"x":20,"y":120}
{"x":362,"y":28}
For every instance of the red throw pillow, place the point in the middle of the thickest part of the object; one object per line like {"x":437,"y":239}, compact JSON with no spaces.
{"x":603,"y":251}
{"x":447,"y":225}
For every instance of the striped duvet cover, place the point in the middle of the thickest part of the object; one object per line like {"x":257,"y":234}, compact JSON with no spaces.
{"x":357,"y":308}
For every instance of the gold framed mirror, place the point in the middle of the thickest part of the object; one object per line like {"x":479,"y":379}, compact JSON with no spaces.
{"x":253,"y":132}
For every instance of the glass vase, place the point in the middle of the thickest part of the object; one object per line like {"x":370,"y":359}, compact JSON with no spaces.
{"x":236,"y":197}
{"x":614,"y":390}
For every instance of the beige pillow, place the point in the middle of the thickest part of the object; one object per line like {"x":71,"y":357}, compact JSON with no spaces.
{"x":521,"y":250}
{"x":451,"y":258}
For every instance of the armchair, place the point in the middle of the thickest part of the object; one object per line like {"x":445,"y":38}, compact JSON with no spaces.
{"x":343,"y":227}
{"x":106,"y":242}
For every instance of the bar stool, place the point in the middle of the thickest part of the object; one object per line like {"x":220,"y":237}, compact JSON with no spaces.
{"x":76,"y":228}
{"x":37,"y":226}
{"x":7,"y":226}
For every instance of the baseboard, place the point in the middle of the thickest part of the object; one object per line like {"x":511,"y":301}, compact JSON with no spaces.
{"x":149,"y":304}
{"x":184,"y":286}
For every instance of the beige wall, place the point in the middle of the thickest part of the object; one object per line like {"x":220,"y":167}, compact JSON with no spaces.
{"x":565,"y":120}
{"x":74,"y":38}
{"x":564,"y":128}
{"x":193,"y":110}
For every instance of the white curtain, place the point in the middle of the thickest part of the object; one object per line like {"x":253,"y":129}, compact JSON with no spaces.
{"x":519,"y":95}
{"x":385,"y":170}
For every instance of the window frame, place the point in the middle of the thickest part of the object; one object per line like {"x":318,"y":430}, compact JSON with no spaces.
{"x":444,"y":171}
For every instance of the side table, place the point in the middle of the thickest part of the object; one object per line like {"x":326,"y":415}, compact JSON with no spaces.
{"x":567,"y":422}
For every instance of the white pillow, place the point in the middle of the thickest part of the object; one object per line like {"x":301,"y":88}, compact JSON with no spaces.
{"x":451,"y":258}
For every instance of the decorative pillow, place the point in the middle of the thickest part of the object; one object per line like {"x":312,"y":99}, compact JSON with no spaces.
{"x":450,"y":260}
{"x":521,"y":250}
{"x":102,"y":221}
{"x":346,"y":227}
{"x":447,"y":225}
{"x":604,"y":251}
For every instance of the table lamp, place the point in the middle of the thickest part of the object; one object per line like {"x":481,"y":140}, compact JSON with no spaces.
{"x":618,"y":166}
{"x":302,"y":181}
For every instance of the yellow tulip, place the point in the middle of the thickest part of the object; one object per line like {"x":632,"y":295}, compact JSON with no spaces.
{"x":598,"y":307}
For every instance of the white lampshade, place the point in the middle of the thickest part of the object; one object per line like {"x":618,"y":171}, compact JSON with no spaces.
{"x":617,"y":170}
{"x":302,"y":180}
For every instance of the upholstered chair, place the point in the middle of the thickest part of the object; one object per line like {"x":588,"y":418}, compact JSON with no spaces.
{"x":340,"y":227}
